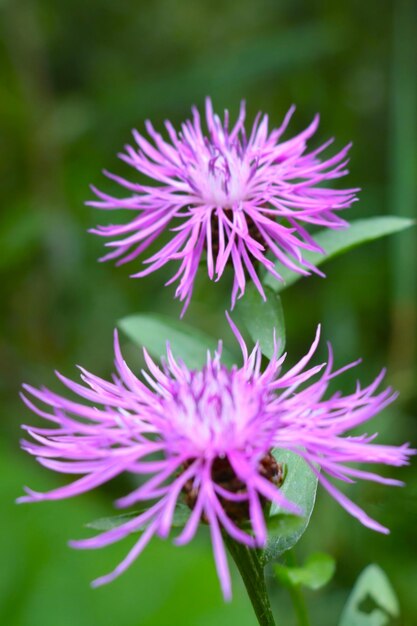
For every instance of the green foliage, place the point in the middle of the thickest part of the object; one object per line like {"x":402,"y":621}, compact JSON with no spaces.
{"x":261,"y":318}
{"x":284,"y":524}
{"x":336,"y":242}
{"x":316,"y":572}
{"x":300,"y":486}
{"x":372,"y":601}
{"x":153,"y":331}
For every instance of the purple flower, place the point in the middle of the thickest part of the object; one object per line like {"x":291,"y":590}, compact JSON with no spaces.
{"x":225,"y":196}
{"x":204,"y":437}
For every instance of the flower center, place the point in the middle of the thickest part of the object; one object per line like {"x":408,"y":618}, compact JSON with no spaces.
{"x":215,"y":234}
{"x":221,"y":175}
{"x":223,"y":475}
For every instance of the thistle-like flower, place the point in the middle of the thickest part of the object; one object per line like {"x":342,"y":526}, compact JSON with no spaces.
{"x":205,"y":437}
{"x":237,"y":200}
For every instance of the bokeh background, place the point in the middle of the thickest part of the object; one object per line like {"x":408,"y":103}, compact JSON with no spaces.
{"x":76,"y":78}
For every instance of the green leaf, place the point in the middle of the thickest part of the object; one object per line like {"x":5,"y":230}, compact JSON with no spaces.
{"x":153,"y":331}
{"x":284,"y":524}
{"x":317,"y":571}
{"x":372,"y":601}
{"x":180,"y":517}
{"x":336,"y":242}
{"x":261,"y":318}
{"x":300,"y":486}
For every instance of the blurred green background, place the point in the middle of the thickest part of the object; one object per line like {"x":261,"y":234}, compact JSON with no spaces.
{"x":76,"y":77}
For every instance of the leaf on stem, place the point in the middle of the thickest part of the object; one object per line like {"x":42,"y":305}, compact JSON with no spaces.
{"x":372,"y":601}
{"x":300,"y":486}
{"x":336,"y":242}
{"x":316,"y":572}
{"x":153,"y":331}
{"x":261,"y":318}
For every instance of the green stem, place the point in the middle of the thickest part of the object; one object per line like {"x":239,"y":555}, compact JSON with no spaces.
{"x":403,"y":201}
{"x":250,"y":567}
{"x":299,"y":604}
{"x":296,"y":594}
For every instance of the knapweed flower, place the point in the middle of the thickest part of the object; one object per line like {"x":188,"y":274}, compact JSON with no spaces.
{"x":205,"y":437}
{"x":236,"y":199}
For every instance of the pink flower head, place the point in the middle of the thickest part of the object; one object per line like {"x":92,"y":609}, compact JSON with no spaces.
{"x":205,"y":437}
{"x":227,"y":196}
